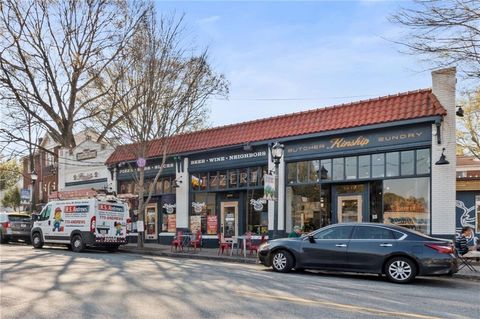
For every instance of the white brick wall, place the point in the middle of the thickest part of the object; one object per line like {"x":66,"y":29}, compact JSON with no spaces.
{"x":181,"y":194}
{"x":443,"y":176}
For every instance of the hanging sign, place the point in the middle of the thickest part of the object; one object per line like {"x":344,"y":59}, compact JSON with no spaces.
{"x":198,"y":206}
{"x":258,"y":204}
{"x":169,"y":208}
{"x":269,"y":187}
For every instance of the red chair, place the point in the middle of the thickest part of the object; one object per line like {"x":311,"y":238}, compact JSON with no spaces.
{"x":254,"y":248}
{"x":222,"y":246}
{"x":197,"y":242}
{"x":248,"y":242}
{"x":177,"y":242}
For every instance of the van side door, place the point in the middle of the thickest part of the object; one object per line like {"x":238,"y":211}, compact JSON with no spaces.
{"x":44,"y":221}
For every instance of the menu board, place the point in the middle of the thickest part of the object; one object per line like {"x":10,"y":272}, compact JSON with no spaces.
{"x":151,"y":222}
{"x":212,"y":224}
{"x":195,"y":223}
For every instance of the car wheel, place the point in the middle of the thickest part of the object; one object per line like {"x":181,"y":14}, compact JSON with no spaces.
{"x":37,"y":241}
{"x":400,"y":270}
{"x":77,"y":244}
{"x":282,"y":261}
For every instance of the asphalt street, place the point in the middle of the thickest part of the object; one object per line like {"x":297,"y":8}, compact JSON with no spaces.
{"x":56,"y":283}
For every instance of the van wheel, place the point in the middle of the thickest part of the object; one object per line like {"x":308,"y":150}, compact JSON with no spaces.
{"x":400,"y":270}
{"x":282,"y":261}
{"x":77,"y":244}
{"x":37,"y":241}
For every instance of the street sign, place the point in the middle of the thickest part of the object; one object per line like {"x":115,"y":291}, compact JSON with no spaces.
{"x":141,"y":162}
{"x":25,"y":196}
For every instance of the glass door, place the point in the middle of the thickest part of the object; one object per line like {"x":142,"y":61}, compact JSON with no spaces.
{"x":151,"y":221}
{"x":229,"y":215}
{"x":349,"y":208}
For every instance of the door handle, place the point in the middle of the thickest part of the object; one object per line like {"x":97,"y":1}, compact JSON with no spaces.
{"x":341,"y":245}
{"x":386,"y":245}
{"x":49,"y":223}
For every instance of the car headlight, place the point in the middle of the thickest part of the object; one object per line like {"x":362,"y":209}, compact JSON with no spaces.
{"x":264,"y":246}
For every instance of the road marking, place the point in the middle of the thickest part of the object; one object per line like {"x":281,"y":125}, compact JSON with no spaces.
{"x":336,"y":305}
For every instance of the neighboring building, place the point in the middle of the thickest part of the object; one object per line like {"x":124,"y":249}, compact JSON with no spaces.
{"x":371,"y":160}
{"x":67,"y":173}
{"x":45,"y":165}
{"x":81,"y":170}
{"x":468,"y":193}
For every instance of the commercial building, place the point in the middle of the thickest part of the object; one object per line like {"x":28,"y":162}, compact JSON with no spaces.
{"x":389,"y":160}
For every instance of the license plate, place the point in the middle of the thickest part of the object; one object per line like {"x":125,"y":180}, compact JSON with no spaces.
{"x":103,"y":231}
{"x":23,"y":225}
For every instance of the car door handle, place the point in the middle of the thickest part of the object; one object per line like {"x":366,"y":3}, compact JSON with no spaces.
{"x":341,"y":245}
{"x":48,"y":222}
{"x":386,"y":245}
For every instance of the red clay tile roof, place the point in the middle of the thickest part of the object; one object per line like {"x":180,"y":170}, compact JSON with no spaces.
{"x":402,"y":106}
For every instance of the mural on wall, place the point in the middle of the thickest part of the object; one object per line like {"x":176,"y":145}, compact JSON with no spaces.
{"x":466,"y":213}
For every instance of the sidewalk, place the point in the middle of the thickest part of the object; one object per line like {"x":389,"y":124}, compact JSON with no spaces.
{"x":205,"y":253}
{"x":212,"y":254}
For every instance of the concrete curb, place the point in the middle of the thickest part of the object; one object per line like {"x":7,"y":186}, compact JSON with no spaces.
{"x":156,"y":252}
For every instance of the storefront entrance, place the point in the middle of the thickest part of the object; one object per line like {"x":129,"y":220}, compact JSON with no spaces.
{"x":349,"y":208}
{"x":229,"y":218}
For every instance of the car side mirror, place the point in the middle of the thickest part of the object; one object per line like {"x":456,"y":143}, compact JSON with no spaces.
{"x":311,"y":239}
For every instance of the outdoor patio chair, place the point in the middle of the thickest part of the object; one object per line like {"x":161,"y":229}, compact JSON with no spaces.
{"x":177,"y":242}
{"x":222,"y":245}
{"x":197,"y":242}
{"x":254,"y":247}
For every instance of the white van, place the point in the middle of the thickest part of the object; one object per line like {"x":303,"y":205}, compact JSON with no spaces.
{"x":79,"y":223}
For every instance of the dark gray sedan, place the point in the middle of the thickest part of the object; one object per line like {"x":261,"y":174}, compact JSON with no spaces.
{"x":398,"y":253}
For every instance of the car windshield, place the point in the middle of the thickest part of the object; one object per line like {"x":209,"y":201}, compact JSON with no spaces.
{"x":19,"y":218}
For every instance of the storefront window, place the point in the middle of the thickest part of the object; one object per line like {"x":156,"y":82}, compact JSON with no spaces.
{"x":213,"y":180}
{"x":222,"y":179}
{"x":254,"y":177}
{"x":326,"y":169}
{"x":305,"y":206}
{"x":169,"y":216}
{"x":291,"y":173}
{"x":257,"y":212}
{"x":243,"y":177}
{"x":351,"y":168}
{"x":393,"y":164}
{"x":407,"y":203}
{"x":203,"y":215}
{"x":364,"y":166}
{"x":232,"y":178}
{"x":313,"y":171}
{"x":302,"y":172}
{"x":325,"y":206}
{"x":423,"y":161}
{"x":407,"y":162}
{"x":338,"y":169}
{"x":378,"y":165}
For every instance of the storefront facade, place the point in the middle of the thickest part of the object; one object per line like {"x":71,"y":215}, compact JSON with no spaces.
{"x":370,"y":161}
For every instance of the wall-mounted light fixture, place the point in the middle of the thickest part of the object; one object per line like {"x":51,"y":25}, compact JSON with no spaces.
{"x":443,"y":159}
{"x":459,"y":111}
{"x":176,"y":183}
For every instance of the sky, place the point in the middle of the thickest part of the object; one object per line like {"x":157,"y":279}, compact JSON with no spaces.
{"x":285,"y":57}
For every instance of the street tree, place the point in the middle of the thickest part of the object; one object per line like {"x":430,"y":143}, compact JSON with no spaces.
{"x":468,"y":130}
{"x":167,"y":84}
{"x":10,"y":173}
{"x":52,"y":53}
{"x":11,"y":198}
{"x":444,"y":32}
